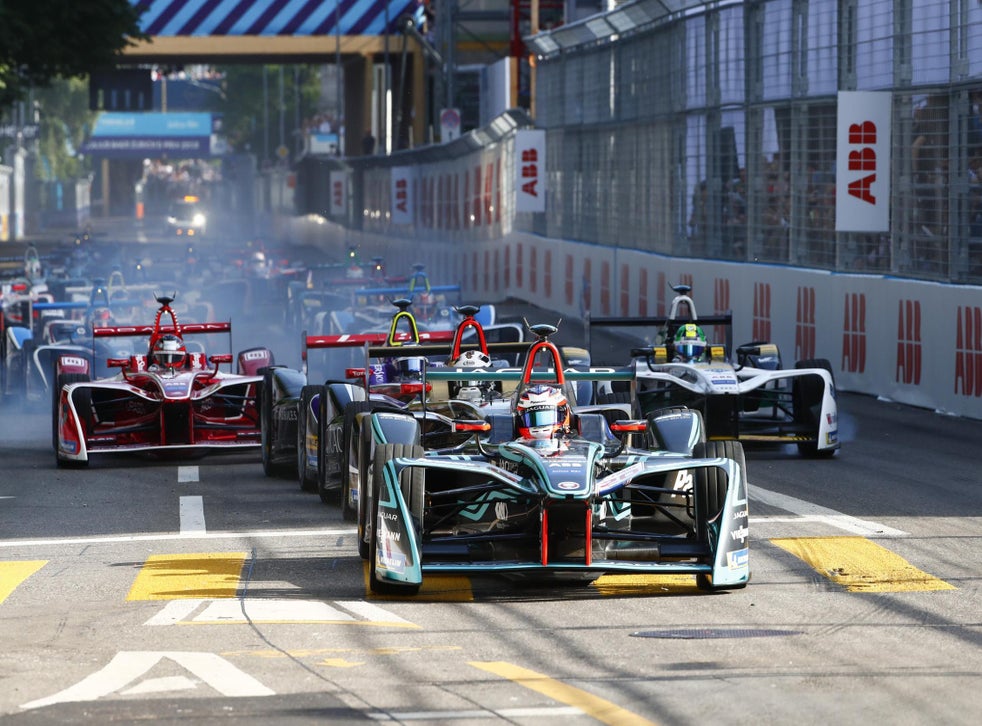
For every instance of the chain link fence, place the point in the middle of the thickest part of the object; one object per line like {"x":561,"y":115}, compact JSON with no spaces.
{"x":711,"y":133}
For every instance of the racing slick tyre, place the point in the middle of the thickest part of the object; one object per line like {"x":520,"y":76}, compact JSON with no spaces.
{"x":366,"y":457}
{"x":306,"y":475}
{"x":82,"y":402}
{"x":710,"y":492}
{"x":327,"y":493}
{"x":412,"y":484}
{"x":266,"y":423}
{"x":806,"y":396}
{"x":349,"y":458}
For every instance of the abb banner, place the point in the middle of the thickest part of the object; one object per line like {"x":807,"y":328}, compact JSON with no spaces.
{"x":862,"y":167}
{"x":339,"y":193}
{"x":530,"y":171}
{"x":402,"y":195}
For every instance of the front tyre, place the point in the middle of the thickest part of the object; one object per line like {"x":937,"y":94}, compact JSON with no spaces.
{"x":411,"y":483}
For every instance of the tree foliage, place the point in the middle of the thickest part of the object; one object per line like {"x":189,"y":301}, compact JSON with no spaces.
{"x":41,"y":40}
{"x":252,"y":115}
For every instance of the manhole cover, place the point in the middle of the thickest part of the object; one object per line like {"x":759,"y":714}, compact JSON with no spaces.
{"x":709,"y":633}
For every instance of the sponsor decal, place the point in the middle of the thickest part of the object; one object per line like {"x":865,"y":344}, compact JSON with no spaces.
{"x":568,"y":485}
{"x":741,"y":514}
{"x":605,"y":288}
{"x":683,"y":481}
{"x":73,"y":361}
{"x":530,"y":148}
{"x":740,"y":533}
{"x":721,"y":295}
{"x":854,"y":333}
{"x":968,"y":352}
{"x":254,"y":355}
{"x":762,"y":311}
{"x":625,"y":290}
{"x":738,"y":559}
{"x":909,"y":342}
{"x":805,"y":327}
{"x":862,"y":199}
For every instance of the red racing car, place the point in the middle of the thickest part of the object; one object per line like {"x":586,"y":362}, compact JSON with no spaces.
{"x":172,"y":400}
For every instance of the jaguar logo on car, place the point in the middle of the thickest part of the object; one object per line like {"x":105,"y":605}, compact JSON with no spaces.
{"x":568,"y":485}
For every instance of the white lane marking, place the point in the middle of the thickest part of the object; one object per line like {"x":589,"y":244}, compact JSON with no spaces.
{"x":540,"y":711}
{"x":192,"y":515}
{"x":128,"y":666}
{"x":371,"y":612}
{"x":174,"y":612}
{"x":161,"y":685}
{"x":817,"y":513}
{"x":270,"y":611}
{"x":164,"y":537}
{"x":259,"y":610}
{"x":187,"y":474}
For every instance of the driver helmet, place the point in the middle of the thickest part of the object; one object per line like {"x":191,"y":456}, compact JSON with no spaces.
{"x":543,"y":412}
{"x":469,"y":390}
{"x":257,"y":263}
{"x":690,"y":343}
{"x":100,"y":318}
{"x":169,"y":352}
{"x":410,"y":368}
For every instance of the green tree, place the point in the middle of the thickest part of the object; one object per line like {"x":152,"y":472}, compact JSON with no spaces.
{"x":65,"y":122}
{"x":41,"y":40}
{"x":246,"y":111}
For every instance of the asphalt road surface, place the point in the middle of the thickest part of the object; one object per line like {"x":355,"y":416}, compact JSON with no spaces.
{"x":202,"y":591}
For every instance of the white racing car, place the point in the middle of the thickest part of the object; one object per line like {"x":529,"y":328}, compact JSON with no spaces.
{"x":744,"y":394}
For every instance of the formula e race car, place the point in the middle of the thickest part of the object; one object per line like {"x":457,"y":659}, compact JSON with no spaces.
{"x":172,"y":400}
{"x":547,"y":490}
{"x":307,"y":427}
{"x":748,"y":396}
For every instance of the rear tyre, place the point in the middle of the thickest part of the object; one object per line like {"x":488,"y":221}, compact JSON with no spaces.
{"x":806,"y":396}
{"x":306,"y":475}
{"x":266,"y":433}
{"x":349,"y":458}
{"x":411,"y":482}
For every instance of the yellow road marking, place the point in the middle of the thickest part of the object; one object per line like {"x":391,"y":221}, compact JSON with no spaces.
{"x":599,"y":708}
{"x":625,"y":585}
{"x":860,"y":565}
{"x":14,"y":573}
{"x":210,"y":575}
{"x":435,"y":588}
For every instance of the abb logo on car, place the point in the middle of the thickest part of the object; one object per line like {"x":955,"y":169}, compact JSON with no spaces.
{"x":909,"y":342}
{"x":854,"y":333}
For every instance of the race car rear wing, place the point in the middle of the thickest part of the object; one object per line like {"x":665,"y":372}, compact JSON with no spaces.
{"x":115,"y":331}
{"x":667,"y":326}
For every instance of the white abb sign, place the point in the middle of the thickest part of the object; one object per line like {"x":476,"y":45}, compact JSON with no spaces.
{"x":862,"y":169}
{"x":530,"y":171}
